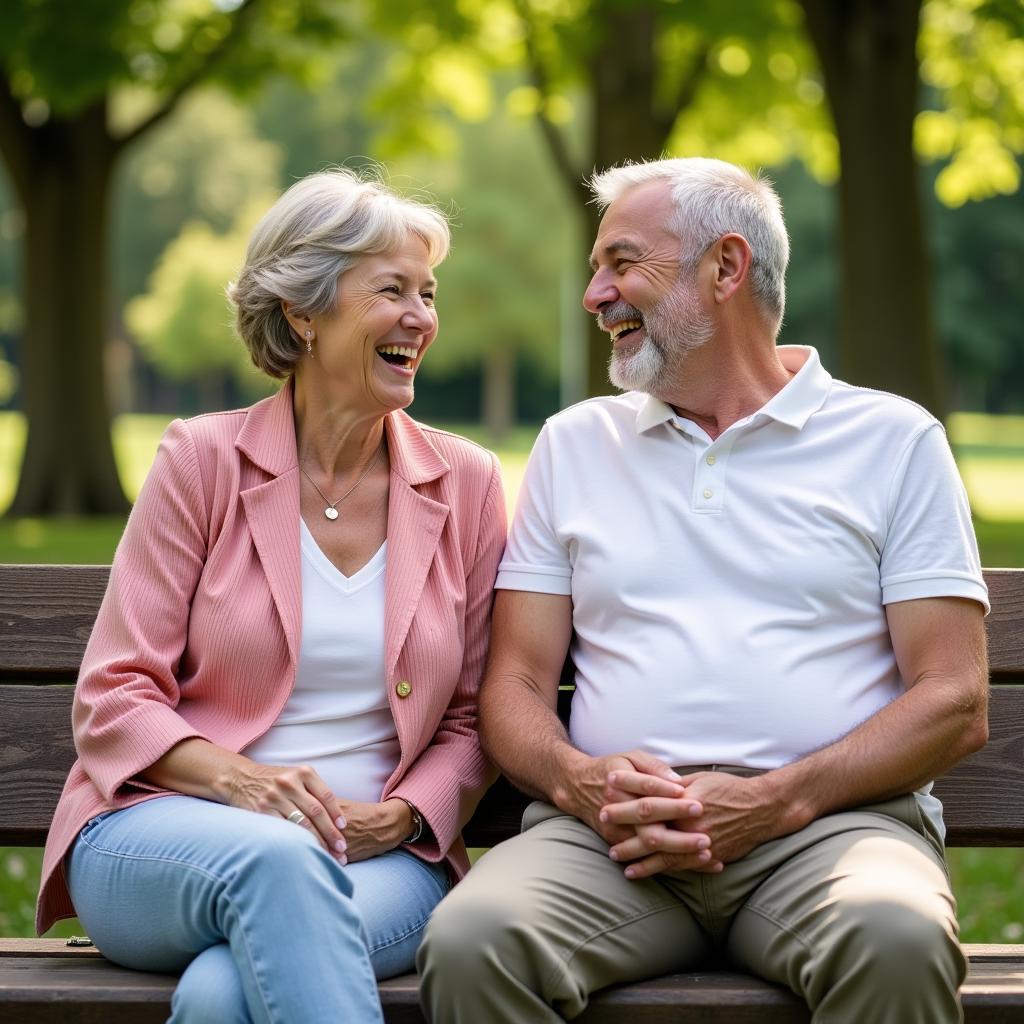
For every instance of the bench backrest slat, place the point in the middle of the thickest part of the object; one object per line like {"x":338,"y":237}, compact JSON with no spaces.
{"x":47,"y":612}
{"x":1005,"y":624}
{"x":46,"y":616}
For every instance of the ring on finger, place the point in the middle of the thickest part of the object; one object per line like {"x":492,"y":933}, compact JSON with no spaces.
{"x":296,"y":817}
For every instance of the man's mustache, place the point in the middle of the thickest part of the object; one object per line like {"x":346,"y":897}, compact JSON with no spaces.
{"x":619,"y":311}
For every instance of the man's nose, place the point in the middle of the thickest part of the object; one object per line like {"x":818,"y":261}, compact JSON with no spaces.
{"x":600,"y":292}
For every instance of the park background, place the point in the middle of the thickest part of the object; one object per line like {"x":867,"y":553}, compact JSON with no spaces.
{"x":141,"y":140}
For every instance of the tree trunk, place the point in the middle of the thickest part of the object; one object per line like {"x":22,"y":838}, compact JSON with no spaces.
{"x":69,"y":466}
{"x":499,"y":397}
{"x":867,"y":50}
{"x":626,"y":125}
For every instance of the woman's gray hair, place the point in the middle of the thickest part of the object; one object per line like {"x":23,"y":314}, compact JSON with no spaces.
{"x":315,"y":232}
{"x":713,"y":198}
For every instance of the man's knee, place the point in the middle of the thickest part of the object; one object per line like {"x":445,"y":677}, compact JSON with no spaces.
{"x":888,"y":960}
{"x":463,"y":929}
{"x":902,"y":941}
{"x":479,"y":938}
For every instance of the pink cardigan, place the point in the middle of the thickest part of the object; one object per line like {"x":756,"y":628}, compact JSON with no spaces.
{"x":199,"y":629}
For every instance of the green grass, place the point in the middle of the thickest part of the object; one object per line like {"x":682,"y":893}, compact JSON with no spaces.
{"x":989,"y":883}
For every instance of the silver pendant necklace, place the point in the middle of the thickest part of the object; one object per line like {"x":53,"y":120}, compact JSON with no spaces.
{"x":331,"y":511}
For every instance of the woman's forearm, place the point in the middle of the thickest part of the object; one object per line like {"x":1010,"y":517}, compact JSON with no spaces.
{"x":197,"y":767}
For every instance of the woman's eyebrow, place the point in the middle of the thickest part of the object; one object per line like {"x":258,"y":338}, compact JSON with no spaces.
{"x":402,"y":279}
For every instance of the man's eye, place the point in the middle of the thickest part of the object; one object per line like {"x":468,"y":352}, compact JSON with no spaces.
{"x":392,"y":288}
{"x":428,"y":298}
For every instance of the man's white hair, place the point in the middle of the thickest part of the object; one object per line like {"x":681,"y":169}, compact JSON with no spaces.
{"x":713,"y":198}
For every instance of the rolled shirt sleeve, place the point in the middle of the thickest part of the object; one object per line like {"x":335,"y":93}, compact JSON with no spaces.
{"x":930,"y":549}
{"x":535,"y":558}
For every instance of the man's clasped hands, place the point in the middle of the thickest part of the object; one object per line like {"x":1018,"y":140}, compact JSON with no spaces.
{"x":656,"y":820}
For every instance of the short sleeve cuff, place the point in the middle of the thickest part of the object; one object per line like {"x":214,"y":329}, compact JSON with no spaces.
{"x":912,"y":587}
{"x":538,"y":579}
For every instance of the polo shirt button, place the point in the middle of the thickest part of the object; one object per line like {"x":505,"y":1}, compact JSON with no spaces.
{"x":710,"y":460}
{"x":708,"y":493}
{"x":404,"y":688}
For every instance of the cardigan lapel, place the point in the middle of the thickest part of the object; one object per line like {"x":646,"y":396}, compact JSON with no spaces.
{"x":267,"y":439}
{"x":415,"y":523}
{"x":272,"y":510}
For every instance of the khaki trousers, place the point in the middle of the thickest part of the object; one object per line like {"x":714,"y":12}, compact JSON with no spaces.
{"x":854,"y":914}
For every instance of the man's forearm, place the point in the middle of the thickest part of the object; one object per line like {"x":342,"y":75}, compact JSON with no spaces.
{"x":906,"y":744}
{"x":522,"y":734}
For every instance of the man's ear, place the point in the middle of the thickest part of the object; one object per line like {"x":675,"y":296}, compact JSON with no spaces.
{"x":732,"y":264}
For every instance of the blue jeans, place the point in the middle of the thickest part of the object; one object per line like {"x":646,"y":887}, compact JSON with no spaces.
{"x":266,"y":926}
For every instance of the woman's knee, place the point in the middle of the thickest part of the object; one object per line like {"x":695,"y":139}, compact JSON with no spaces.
{"x":285,"y":857}
{"x":210,"y":991}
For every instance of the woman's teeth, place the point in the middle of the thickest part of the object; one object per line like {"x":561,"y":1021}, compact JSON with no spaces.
{"x":398,"y":355}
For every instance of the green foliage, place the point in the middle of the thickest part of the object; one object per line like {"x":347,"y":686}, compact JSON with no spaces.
{"x":752,"y":87}
{"x":756,"y":91}
{"x":62,"y":56}
{"x":184,"y":322}
{"x":972,"y":54}
{"x":328,"y":125}
{"x":980,"y":305}
{"x":759,"y":99}
{"x":8,"y":380}
{"x":207,"y":162}
{"x":512,"y":244}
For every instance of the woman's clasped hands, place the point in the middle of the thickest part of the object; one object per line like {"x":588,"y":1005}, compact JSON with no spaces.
{"x":347,"y":829}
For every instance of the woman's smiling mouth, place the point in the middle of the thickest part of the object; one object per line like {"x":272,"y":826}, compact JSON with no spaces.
{"x":399,"y":355}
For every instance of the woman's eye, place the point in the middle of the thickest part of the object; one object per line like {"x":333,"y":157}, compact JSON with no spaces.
{"x":392,"y":289}
{"x":428,"y":298}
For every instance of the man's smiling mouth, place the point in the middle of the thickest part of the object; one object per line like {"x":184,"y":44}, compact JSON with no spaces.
{"x":624,"y":328}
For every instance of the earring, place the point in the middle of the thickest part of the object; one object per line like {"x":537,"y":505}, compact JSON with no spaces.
{"x":309,"y":342}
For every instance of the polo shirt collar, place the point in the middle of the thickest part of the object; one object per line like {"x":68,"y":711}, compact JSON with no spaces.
{"x":806,"y":391}
{"x":794,"y":405}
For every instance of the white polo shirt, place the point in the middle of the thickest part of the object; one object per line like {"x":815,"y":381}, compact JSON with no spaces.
{"x":728,"y":595}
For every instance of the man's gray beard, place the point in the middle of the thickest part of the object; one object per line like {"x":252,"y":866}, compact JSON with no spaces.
{"x":673,"y":328}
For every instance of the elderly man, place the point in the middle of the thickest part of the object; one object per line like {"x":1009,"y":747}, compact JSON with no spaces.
{"x":774,"y":597}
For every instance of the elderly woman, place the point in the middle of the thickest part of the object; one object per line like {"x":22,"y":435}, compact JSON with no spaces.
{"x":276,"y":716}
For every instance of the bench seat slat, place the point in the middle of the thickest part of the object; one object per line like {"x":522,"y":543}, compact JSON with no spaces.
{"x":34,"y":991}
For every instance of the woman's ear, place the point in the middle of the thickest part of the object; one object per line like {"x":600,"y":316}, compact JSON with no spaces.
{"x":732,"y":264}
{"x":299,"y":324}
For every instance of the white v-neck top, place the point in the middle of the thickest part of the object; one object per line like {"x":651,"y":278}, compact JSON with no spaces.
{"x":337,"y":718}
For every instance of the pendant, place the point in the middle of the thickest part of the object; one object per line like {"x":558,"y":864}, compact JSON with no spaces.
{"x":331,"y":512}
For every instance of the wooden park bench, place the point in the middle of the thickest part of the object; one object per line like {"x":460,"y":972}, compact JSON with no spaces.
{"x":46,"y":614}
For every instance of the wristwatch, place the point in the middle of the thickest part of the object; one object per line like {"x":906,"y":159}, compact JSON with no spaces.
{"x":417,"y":823}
